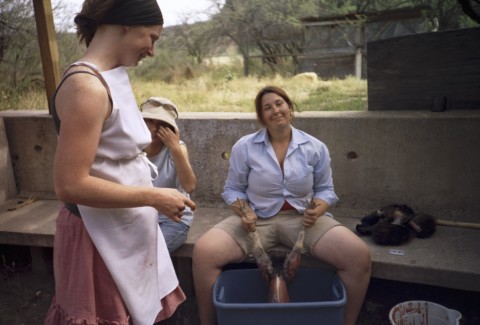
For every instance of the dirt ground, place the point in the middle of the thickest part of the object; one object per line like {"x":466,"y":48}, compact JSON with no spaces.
{"x":25,"y":296}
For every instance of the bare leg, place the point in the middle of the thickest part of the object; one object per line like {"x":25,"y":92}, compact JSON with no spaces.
{"x":211,"y":252}
{"x":350,"y":256}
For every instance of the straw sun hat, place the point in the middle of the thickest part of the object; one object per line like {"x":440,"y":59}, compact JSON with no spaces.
{"x":160,"y":108}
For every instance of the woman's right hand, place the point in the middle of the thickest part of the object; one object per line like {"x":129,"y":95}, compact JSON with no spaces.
{"x":171,"y":203}
{"x":249,"y":218}
{"x":250,"y":221}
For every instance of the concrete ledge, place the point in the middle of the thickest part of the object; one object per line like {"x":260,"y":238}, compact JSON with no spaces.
{"x":450,"y":258}
{"x":29,"y":225}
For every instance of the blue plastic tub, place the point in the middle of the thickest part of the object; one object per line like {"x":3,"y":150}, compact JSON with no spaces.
{"x":317,"y":296}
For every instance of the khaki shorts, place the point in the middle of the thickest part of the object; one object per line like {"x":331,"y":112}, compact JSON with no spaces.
{"x":281,"y":229}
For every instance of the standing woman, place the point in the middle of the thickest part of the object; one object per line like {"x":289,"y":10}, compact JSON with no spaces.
{"x":111,"y":263}
{"x":275,"y":173}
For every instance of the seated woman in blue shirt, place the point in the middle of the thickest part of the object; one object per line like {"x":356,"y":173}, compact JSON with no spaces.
{"x":169,"y":154}
{"x":275,"y":173}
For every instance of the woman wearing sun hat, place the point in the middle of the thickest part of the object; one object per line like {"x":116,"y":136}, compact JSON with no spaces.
{"x":169,"y":154}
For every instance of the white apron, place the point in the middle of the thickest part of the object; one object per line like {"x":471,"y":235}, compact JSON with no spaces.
{"x":129,"y":240}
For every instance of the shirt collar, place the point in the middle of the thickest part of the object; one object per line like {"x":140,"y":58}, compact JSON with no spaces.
{"x":298,"y":137}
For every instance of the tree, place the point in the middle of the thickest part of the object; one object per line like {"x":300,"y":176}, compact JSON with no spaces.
{"x":273,"y":30}
{"x":195,"y":38}
{"x":270,"y":28}
{"x":19,"y":55}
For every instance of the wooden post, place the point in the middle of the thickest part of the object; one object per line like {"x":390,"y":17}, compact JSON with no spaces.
{"x":358,"y":53}
{"x":48,"y":45}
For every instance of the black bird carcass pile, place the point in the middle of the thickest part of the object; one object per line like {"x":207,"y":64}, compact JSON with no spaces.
{"x":396,"y":224}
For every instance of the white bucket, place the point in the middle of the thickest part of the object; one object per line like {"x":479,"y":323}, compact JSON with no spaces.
{"x":417,"y":312}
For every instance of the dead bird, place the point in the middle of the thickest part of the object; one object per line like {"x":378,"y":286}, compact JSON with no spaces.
{"x":262,"y":259}
{"x":293,"y":259}
{"x":423,"y":224}
{"x":278,"y":291}
{"x":276,"y":267}
{"x":396,"y":224}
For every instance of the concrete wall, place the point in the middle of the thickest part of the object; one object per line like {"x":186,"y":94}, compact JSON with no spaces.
{"x":428,"y":160}
{"x":32,"y":142}
{"x":7,"y":181}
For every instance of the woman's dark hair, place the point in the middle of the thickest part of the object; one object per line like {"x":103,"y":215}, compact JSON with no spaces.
{"x":271,"y":89}
{"x":87,"y":20}
{"x":115,"y":12}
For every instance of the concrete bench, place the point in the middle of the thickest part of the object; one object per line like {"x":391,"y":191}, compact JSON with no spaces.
{"x":425,"y":171}
{"x":451,"y":258}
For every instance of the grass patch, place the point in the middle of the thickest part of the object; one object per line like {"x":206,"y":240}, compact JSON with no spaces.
{"x":226,"y":92}
{"x":237,"y":95}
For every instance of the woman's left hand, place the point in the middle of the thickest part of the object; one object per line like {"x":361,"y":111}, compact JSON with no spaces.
{"x":315,"y":210}
{"x":310,"y":216}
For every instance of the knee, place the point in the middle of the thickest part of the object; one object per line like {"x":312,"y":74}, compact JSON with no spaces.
{"x":203,"y":248}
{"x":363,"y":259}
{"x":356,"y":259}
{"x":209,"y":250}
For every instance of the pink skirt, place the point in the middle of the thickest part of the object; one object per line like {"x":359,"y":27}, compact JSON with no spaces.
{"x":85,"y":293}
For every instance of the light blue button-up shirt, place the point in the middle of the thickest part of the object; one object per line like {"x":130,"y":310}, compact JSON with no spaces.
{"x":256,"y":176}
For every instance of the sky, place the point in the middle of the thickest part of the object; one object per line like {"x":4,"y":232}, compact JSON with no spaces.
{"x":174,"y":11}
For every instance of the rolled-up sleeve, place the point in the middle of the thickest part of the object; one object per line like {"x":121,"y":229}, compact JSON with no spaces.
{"x":237,"y":180}
{"x":323,"y":182}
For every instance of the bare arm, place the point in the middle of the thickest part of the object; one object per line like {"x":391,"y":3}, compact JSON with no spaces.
{"x":185,"y":173}
{"x":83,"y":105}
